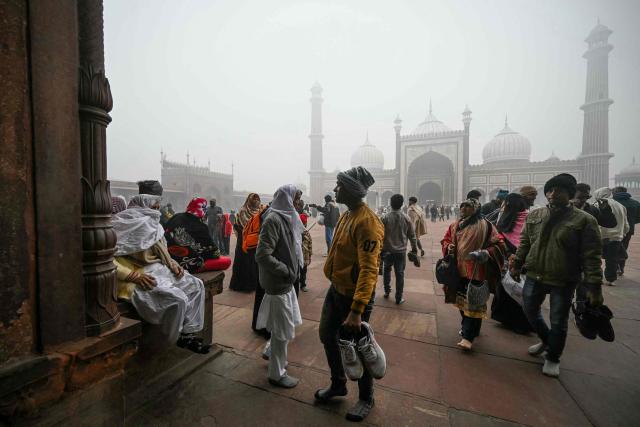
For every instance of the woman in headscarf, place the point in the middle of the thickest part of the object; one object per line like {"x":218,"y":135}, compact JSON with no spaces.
{"x":189,"y":241}
{"x":245,"y":269}
{"x":157,"y":286}
{"x":505,"y":309}
{"x":479,"y":250}
{"x":280,"y":259}
{"x":118,"y":204}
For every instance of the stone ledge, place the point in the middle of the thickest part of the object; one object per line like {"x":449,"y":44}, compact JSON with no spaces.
{"x":28,"y":385}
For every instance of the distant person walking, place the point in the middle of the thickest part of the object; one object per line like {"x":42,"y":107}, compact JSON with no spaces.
{"x":612,"y":237}
{"x":397,"y":231}
{"x":331,"y":214}
{"x":433,"y":210}
{"x":418,"y":220}
{"x":621,"y":196}
{"x":352,"y":269}
{"x":214,"y":218}
{"x":560,"y":247}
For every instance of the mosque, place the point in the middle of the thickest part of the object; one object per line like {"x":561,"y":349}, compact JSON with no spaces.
{"x":432,"y":159}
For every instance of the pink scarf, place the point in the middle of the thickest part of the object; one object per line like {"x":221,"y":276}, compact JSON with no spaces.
{"x":513,"y":236}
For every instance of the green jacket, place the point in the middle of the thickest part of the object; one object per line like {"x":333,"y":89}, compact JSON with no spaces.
{"x":571,"y":254}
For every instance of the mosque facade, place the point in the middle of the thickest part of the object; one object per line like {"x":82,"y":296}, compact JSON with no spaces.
{"x":432,"y":159}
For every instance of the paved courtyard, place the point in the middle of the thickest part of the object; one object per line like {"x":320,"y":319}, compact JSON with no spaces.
{"x":429,"y":382}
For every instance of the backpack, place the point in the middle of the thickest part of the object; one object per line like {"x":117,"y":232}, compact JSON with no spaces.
{"x":251,"y":232}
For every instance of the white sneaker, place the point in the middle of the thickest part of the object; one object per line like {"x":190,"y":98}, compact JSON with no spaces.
{"x":551,"y":369}
{"x":350,"y":360}
{"x":537,"y":349}
{"x":266,"y":352}
{"x":372,"y":355}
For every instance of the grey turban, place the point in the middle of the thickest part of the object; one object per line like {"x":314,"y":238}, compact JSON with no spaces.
{"x":356,"y":181}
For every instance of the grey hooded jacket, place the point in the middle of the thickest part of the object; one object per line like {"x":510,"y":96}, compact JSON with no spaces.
{"x":278,"y":267}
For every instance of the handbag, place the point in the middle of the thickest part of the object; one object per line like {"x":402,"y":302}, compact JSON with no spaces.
{"x":512,"y":287}
{"x":477,"y":294}
{"x":447,"y":270}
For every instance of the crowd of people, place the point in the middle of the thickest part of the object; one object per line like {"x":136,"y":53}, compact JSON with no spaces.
{"x":506,"y":247}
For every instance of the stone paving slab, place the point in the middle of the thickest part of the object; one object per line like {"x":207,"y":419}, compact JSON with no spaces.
{"x":506,"y":388}
{"x":605,"y":401}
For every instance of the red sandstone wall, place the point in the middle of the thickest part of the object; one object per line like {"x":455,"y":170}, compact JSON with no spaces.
{"x":17,"y":242}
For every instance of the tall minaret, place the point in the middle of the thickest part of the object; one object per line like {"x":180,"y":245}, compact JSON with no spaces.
{"x":466,"y":121}
{"x":595,"y":132}
{"x":316,"y":171}
{"x":397,"y":127}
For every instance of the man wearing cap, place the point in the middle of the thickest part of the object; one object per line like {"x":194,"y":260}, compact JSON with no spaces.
{"x":560,"y":248}
{"x":530,"y":195}
{"x":494,"y":205}
{"x":352,"y":268}
{"x":151,"y":187}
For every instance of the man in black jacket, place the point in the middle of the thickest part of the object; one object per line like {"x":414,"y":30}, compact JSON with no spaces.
{"x":600,"y":210}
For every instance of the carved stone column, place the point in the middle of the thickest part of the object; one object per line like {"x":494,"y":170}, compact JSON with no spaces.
{"x":98,"y":237}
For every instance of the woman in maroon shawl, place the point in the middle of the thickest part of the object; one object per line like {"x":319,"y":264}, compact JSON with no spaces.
{"x":479,"y":251}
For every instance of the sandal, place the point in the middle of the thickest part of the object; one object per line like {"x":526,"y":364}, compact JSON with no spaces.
{"x":193,"y":344}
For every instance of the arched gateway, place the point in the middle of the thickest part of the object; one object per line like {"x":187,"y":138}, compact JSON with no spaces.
{"x":431,"y":177}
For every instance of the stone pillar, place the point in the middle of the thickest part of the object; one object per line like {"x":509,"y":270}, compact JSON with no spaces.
{"x":98,"y":237}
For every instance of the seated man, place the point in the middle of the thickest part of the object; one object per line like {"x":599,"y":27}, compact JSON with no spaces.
{"x":159,"y":289}
{"x":190,"y":243}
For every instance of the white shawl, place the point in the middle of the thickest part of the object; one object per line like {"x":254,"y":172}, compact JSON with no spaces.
{"x":137,"y":227}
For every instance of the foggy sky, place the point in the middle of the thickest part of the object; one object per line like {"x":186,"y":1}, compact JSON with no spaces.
{"x":229,"y":80}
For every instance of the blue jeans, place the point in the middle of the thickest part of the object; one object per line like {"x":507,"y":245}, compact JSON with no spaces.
{"x":398,"y":262}
{"x":533,"y":295}
{"x":328,"y":236}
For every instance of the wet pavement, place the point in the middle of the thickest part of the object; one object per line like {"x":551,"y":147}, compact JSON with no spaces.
{"x":429,"y":382}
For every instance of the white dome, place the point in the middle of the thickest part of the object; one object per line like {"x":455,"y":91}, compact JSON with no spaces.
{"x":508,"y":145}
{"x":632,"y":169}
{"x":368,"y":156}
{"x":431,"y":125}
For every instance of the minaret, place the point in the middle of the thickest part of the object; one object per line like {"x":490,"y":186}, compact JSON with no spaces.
{"x":316,"y":170}
{"x":397,"y":126}
{"x":595,"y":132}
{"x":466,"y":120}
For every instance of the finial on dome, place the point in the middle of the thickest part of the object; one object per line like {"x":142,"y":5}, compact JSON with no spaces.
{"x":505,"y":120}
{"x":598,"y":20}
{"x":367,"y":141}
{"x":430,"y":109}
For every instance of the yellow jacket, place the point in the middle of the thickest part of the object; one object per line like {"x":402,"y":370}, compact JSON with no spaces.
{"x":352,"y":262}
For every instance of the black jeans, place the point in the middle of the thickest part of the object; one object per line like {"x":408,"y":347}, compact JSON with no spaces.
{"x":398,"y":261}
{"x":611,"y":251}
{"x":624,"y":254}
{"x":470,"y":327}
{"x":335,"y":310}
{"x":303,"y":277}
{"x":533,"y":295}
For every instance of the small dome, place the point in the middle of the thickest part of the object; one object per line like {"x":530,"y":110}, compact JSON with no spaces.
{"x":632,"y":169}
{"x":553,"y":157}
{"x":368,"y":156}
{"x":431,"y":125}
{"x":508,"y":145}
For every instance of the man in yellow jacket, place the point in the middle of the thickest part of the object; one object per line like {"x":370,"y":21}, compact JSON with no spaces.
{"x":352,"y":268}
